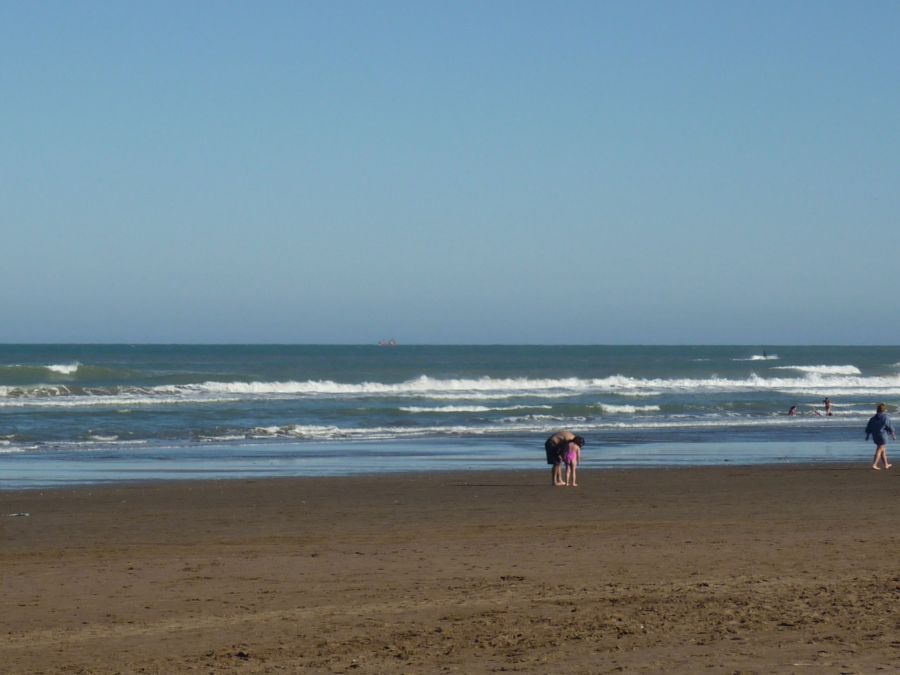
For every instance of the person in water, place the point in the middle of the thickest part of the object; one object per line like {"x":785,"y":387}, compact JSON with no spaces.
{"x":827,"y":403}
{"x":793,"y":411}
{"x":555,"y":446}
{"x":877,"y":428}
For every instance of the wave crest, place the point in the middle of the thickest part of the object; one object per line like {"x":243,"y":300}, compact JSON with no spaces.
{"x":823,"y":370}
{"x":612,"y":409}
{"x":813,"y":381}
{"x":64,"y":369}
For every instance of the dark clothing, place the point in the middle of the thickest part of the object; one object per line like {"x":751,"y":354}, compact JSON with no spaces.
{"x":553,"y":450}
{"x":556,"y":445}
{"x":878,"y":428}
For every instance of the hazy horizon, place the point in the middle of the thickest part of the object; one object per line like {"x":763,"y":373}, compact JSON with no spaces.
{"x":749,"y":345}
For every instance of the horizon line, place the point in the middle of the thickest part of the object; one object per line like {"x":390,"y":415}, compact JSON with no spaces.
{"x":764,"y":347}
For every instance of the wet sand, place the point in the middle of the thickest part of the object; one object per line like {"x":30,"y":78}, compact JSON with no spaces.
{"x":764,"y":569}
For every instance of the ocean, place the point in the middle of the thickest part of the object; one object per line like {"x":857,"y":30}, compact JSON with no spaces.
{"x":75,"y":414}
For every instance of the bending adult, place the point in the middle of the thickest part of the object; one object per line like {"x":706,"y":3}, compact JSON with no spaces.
{"x":878,"y":427}
{"x":554,"y":447}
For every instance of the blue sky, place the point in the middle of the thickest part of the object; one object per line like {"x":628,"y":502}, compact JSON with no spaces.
{"x":484,"y":172}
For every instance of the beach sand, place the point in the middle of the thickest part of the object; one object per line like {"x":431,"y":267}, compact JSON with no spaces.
{"x":767,"y":569}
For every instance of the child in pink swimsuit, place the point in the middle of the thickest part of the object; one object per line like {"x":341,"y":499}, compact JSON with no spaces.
{"x":572,"y":457}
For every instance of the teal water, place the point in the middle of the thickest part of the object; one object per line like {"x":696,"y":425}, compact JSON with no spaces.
{"x":110,"y":412}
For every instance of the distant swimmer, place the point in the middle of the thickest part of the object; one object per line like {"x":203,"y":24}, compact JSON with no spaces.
{"x":827,"y":403}
{"x":793,"y":411}
{"x":878,"y":427}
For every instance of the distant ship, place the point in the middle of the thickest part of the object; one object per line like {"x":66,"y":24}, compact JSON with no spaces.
{"x":387,"y":343}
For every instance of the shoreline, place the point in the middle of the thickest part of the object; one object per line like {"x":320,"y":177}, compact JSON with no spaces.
{"x":678,"y":569}
{"x":458,"y":474}
{"x":450,"y":474}
{"x":198,"y":462}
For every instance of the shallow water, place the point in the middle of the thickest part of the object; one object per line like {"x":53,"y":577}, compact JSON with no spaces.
{"x":123,"y":412}
{"x":288,"y":459}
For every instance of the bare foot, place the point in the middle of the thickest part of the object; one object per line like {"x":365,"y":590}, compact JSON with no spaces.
{"x":888,"y":466}
{"x":574,"y":484}
{"x":876,"y":467}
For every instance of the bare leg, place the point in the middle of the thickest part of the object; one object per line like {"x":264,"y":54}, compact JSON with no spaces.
{"x":879,"y":457}
{"x":574,"y":477}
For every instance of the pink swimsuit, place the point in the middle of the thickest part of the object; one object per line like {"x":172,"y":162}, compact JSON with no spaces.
{"x":571,"y":454}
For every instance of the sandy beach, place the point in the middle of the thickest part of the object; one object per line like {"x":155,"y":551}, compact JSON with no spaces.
{"x":765,"y":569}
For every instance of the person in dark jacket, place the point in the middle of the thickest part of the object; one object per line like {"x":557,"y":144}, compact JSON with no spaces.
{"x":878,"y":427}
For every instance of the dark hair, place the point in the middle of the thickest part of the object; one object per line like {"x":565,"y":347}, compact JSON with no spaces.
{"x":881,"y":408}
{"x":579,"y":441}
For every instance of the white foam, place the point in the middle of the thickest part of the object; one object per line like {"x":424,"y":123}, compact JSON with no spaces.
{"x":452,"y":409}
{"x":875,"y":392}
{"x":315,"y":432}
{"x":613,"y":409}
{"x":542,"y":418}
{"x":760,"y":357}
{"x":470,"y":408}
{"x":480,"y":396}
{"x":262,"y":432}
{"x":420,"y":386}
{"x":92,"y":442}
{"x":36,"y":391}
{"x":113,"y":401}
{"x":526,"y":424}
{"x":64,"y":369}
{"x":475,"y":389}
{"x":823,"y":370}
{"x":533,"y":424}
{"x":812,"y":382}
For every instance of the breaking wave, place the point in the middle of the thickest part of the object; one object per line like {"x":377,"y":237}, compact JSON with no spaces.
{"x":66,"y":369}
{"x":612,"y":409}
{"x":526,"y":424}
{"x":814,"y":381}
{"x":25,"y":374}
{"x":470,"y":408}
{"x":823,"y":370}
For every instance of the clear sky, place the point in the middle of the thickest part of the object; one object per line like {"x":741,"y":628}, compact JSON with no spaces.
{"x":450,"y":172}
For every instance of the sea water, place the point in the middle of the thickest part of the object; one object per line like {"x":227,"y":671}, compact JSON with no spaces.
{"x":90,"y":413}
